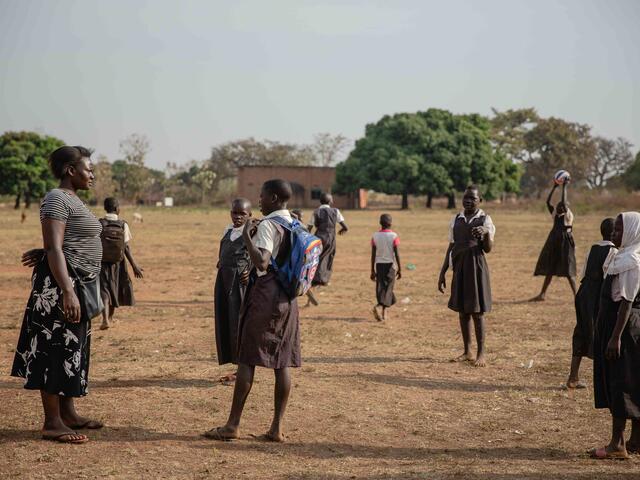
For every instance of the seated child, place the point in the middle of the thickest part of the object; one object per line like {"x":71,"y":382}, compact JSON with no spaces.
{"x":385,"y":266}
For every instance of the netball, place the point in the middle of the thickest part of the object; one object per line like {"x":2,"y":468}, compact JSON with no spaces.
{"x":561,"y":176}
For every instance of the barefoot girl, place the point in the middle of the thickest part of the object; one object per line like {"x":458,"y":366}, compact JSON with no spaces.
{"x":385,"y":266}
{"x":558,"y":257}
{"x":616,"y":379}
{"x":588,"y":301}
{"x":471,"y":235}
{"x":269,"y":333}
{"x":233,"y":275}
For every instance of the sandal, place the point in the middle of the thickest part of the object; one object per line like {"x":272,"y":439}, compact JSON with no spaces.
{"x":219,"y":434}
{"x":602,"y":454}
{"x":67,"y":437}
{"x":633,"y":448}
{"x":574,"y":385}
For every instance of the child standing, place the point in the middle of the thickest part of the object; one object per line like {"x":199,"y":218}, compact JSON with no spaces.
{"x":116,"y":289}
{"x":325,"y":218}
{"x":385,"y":266}
{"x":269,"y":332}
{"x":588,"y":301}
{"x":233,"y":275}
{"x":471,"y":235}
{"x":558,"y":257}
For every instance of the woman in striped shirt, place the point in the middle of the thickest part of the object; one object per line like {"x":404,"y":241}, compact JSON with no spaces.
{"x":53,"y":348}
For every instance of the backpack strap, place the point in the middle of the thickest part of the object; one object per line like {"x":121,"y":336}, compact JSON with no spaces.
{"x":285,"y":242}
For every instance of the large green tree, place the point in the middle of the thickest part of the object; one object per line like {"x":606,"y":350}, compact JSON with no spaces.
{"x":24,"y":168}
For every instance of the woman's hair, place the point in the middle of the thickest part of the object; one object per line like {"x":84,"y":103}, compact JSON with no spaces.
{"x":64,"y":157}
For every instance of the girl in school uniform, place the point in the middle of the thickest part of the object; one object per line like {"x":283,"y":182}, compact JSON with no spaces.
{"x":558,"y":257}
{"x":231,"y":280}
{"x":385,"y":266}
{"x":471,"y":235}
{"x":616,"y":379}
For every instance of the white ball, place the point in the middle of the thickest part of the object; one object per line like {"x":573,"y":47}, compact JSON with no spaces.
{"x":561,"y":177}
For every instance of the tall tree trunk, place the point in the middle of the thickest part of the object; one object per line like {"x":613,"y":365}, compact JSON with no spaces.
{"x":451,"y":197}
{"x":17,"y":204}
{"x":405,"y":200}
{"x":429,"y":200}
{"x":27,"y":199}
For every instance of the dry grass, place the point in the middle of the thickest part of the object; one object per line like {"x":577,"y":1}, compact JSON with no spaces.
{"x":371,"y":401}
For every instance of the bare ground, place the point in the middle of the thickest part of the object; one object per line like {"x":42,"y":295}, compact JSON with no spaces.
{"x":372,"y":400}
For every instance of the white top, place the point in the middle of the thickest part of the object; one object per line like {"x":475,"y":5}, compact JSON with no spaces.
{"x":267,"y":236}
{"x":568,"y":217}
{"x":626,"y":285}
{"x":127,"y":232}
{"x":601,"y":243}
{"x":235,"y":232}
{"x":384,"y":241}
{"x":339,"y":218}
{"x":487,"y":223}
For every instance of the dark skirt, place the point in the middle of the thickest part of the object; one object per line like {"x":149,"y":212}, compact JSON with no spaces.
{"x":51,"y":355}
{"x":587,"y":303}
{"x":385,"y":281}
{"x":325,"y":265}
{"x":228,"y":294}
{"x":269,"y":332}
{"x":558,"y":256}
{"x":616,"y":383}
{"x":470,"y":286}
{"x":115,"y":284}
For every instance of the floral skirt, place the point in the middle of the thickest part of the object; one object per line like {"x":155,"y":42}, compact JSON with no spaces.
{"x":52,"y":355}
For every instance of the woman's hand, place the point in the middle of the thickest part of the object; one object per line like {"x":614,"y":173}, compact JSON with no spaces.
{"x":71,"y":307}
{"x":250,"y":228}
{"x":244,"y":277}
{"x":479,"y":232}
{"x":32,"y":257}
{"x":137,"y":271}
{"x":613,"y":348}
{"x":442,"y":283}
{"x":398,"y":275}
{"x":373,"y":275}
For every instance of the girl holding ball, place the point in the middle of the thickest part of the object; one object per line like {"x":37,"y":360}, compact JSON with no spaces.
{"x":557,"y":257}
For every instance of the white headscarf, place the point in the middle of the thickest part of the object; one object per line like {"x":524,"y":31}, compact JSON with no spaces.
{"x":628,"y":256}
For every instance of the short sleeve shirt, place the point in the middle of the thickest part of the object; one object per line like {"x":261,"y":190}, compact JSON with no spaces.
{"x":487,"y":223}
{"x":385,"y":241}
{"x":267,"y":236}
{"x":235,"y":232}
{"x":81,"y":245}
{"x":626,"y":285}
{"x":339,"y":216}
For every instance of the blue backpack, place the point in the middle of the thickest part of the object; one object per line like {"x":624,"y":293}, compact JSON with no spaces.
{"x":299,"y":268}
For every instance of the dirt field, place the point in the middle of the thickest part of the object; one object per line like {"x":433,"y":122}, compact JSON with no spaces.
{"x":372,"y":400}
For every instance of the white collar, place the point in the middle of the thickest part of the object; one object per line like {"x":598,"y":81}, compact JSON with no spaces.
{"x":478,"y":214}
{"x":280,"y":213}
{"x":324,"y":205}
{"x":605,"y":243}
{"x":111,"y":216}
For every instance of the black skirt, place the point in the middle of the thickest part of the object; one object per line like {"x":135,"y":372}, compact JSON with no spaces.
{"x":471,"y":284}
{"x":325,"y":265}
{"x":385,"y":281}
{"x":587,"y":304}
{"x":52,"y":355}
{"x":115,"y":284}
{"x":558,"y":256}
{"x":228,"y":300}
{"x":616,"y":383}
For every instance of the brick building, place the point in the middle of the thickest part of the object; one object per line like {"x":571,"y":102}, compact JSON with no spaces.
{"x":307,"y":184}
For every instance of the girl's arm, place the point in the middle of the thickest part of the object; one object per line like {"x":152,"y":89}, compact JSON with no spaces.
{"x":53,"y":236}
{"x":613,"y":347}
{"x":344,"y":228}
{"x":137,"y":271}
{"x":564,"y":193}
{"x":373,"y":262}
{"x":549,"y":206}
{"x":442,"y":283}
{"x":487,"y":242}
{"x":399,"y":274}
{"x":259,"y":256}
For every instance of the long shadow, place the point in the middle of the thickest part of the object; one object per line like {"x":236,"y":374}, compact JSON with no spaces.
{"x":175,"y":303}
{"x":461,"y":476}
{"x":438,"y":384}
{"x":168,"y":382}
{"x":331,"y":318}
{"x":338,"y":360}
{"x":106,"y":434}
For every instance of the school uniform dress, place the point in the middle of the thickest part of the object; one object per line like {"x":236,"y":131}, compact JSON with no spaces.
{"x":385,"y":240}
{"x":53,"y":355}
{"x":558,"y":255}
{"x":587,"y":300}
{"x":471,"y":285}
{"x":229,"y":292}
{"x":325,"y":218}
{"x":269,"y":332}
{"x":115,"y":281}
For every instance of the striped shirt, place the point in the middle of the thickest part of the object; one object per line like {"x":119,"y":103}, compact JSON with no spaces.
{"x":81,"y":246}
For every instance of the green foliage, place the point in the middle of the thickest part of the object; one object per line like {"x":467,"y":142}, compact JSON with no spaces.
{"x":24,"y":168}
{"x":631,"y":177}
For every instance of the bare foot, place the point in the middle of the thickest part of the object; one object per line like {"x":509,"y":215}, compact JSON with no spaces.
{"x":465,"y":357}
{"x":575,"y":384}
{"x":272,"y":437}
{"x":537,"y":298}
{"x":228,"y":378}
{"x":312,"y":298}
{"x":376,"y":313}
{"x":78,"y":423}
{"x":104,"y":326}
{"x":480,"y":361}
{"x":223,"y":434}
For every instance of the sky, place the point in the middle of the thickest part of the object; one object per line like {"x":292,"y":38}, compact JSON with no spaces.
{"x":193,"y":74}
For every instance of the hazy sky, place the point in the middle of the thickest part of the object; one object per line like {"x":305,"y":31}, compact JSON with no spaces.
{"x":191,"y":74}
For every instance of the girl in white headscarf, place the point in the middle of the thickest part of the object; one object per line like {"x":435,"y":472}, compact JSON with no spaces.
{"x":617,"y":340}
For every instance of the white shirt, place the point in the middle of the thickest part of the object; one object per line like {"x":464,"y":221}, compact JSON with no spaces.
{"x":267,"y":236}
{"x":568,"y":217}
{"x":601,"y":243}
{"x":127,"y":232}
{"x":487,"y":223}
{"x":235,"y":232}
{"x":626,"y":285}
{"x":339,"y":218}
{"x":384,"y":241}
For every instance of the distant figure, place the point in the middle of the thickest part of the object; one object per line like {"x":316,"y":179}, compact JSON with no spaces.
{"x":471,"y":235}
{"x":231,"y":282}
{"x":137,"y":217}
{"x":115,"y":284}
{"x":385,"y":266}
{"x":558,"y":257}
{"x":588,"y":301}
{"x":325,"y":218}
{"x":23,"y":216}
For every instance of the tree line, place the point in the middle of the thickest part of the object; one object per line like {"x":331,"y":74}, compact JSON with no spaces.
{"x":435,"y":153}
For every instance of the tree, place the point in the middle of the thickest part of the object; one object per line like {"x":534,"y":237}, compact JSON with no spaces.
{"x":612,"y":158}
{"x":204,"y":180}
{"x":328,"y":148}
{"x":135,"y":149}
{"x":24,"y":168}
{"x":508,"y":130}
{"x":103,"y":186}
{"x":130,"y":173}
{"x":631,"y":177}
